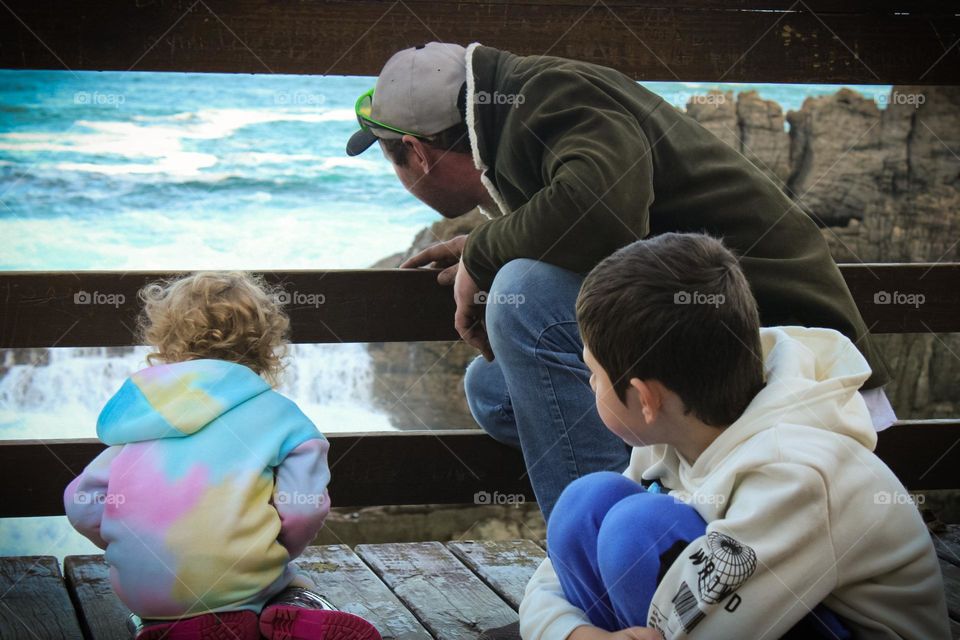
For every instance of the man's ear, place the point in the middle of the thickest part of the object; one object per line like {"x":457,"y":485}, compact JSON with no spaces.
{"x":419,"y":154}
{"x":649,"y":397}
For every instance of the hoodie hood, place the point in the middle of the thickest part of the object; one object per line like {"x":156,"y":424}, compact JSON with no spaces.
{"x":813,"y":378}
{"x":176,"y":400}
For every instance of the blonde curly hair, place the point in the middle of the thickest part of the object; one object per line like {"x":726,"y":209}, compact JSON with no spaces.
{"x":222,"y":315}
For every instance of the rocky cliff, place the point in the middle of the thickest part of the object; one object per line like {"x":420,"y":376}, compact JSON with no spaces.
{"x":882,"y":183}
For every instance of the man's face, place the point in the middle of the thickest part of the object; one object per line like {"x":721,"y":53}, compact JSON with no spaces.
{"x":443,"y":180}
{"x":624,"y":420}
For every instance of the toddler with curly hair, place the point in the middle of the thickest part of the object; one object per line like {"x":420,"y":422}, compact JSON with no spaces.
{"x":212,"y":482}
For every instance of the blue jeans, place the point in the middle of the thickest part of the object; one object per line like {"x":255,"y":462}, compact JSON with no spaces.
{"x":536,"y":394}
{"x":611,"y":542}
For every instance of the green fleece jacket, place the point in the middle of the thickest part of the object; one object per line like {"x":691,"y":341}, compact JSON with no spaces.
{"x":581,"y":160}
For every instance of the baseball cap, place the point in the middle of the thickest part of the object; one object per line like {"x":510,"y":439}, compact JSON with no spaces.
{"x":416,"y":92}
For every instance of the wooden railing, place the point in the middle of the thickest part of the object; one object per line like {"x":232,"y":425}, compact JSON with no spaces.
{"x":98,"y":309}
{"x":816,"y":41}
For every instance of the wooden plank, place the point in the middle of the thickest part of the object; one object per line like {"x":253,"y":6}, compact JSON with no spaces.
{"x":451,"y":602}
{"x":99,"y":308}
{"x":102,"y":615}
{"x":339,"y":574}
{"x":505,"y":566}
{"x":924,"y":454}
{"x":33,"y":600}
{"x":432,"y":467}
{"x":351,"y":586}
{"x":906,"y":298}
{"x":947,"y":544}
{"x":951,"y":585}
{"x":410,"y":467}
{"x":703,"y":40}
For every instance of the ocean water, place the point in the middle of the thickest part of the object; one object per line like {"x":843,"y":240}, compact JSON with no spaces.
{"x":111,"y":170}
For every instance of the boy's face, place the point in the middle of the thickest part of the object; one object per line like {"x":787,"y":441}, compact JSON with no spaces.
{"x":627,"y":421}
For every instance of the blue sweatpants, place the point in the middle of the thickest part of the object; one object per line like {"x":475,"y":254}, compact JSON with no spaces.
{"x":611,"y":541}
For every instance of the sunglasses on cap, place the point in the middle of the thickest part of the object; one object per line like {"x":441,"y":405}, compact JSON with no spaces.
{"x":363,"y":109}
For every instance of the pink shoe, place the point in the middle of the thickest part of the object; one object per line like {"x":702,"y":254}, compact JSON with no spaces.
{"x":300,"y":614}
{"x":228,"y":625}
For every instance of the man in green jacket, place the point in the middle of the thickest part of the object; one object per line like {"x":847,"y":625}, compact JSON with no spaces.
{"x":571,"y":161}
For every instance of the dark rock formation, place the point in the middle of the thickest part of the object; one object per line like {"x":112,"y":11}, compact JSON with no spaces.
{"x":420,"y":384}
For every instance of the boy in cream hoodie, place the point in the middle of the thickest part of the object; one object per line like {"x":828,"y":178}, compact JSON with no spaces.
{"x":753,"y":506}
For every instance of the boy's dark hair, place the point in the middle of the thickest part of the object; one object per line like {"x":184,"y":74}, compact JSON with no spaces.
{"x":676,"y":308}
{"x":454,"y":139}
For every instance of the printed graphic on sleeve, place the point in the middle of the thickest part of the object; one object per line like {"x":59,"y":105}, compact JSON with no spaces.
{"x":686,"y":607}
{"x":729,"y":564}
{"x":723,"y":565}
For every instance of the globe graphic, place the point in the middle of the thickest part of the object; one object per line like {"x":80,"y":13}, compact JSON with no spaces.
{"x":731,"y":564}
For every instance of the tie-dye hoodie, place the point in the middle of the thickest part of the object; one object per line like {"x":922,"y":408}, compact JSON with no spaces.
{"x":211,"y":484}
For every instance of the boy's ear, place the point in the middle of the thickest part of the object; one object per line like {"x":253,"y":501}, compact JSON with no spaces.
{"x":649,"y":397}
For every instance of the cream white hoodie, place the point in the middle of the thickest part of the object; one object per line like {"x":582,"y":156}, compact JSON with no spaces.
{"x":799,"y":511}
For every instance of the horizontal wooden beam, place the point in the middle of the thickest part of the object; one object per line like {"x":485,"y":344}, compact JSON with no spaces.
{"x":906,"y":298}
{"x":819,"y":41}
{"x":368,"y":469}
{"x":429,"y":467}
{"x":99,"y":308}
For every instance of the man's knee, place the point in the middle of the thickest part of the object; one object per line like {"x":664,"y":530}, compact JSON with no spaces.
{"x":507,"y":295}
{"x":486,"y":393}
{"x":522,"y":291}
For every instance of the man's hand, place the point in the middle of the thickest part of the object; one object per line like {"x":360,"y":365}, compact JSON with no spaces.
{"x":588,"y":632}
{"x":442,"y":255}
{"x":469,"y":318}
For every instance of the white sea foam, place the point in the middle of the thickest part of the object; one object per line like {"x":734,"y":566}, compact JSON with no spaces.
{"x":61,"y":397}
{"x":182,"y":164}
{"x":324,"y":237}
{"x":209,"y":124}
{"x":162,"y":139}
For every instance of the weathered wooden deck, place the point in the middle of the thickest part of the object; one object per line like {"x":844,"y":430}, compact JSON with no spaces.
{"x":446,"y":591}
{"x":407,"y":590}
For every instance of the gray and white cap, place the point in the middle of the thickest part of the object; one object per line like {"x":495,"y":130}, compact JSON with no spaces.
{"x":416,"y":91}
